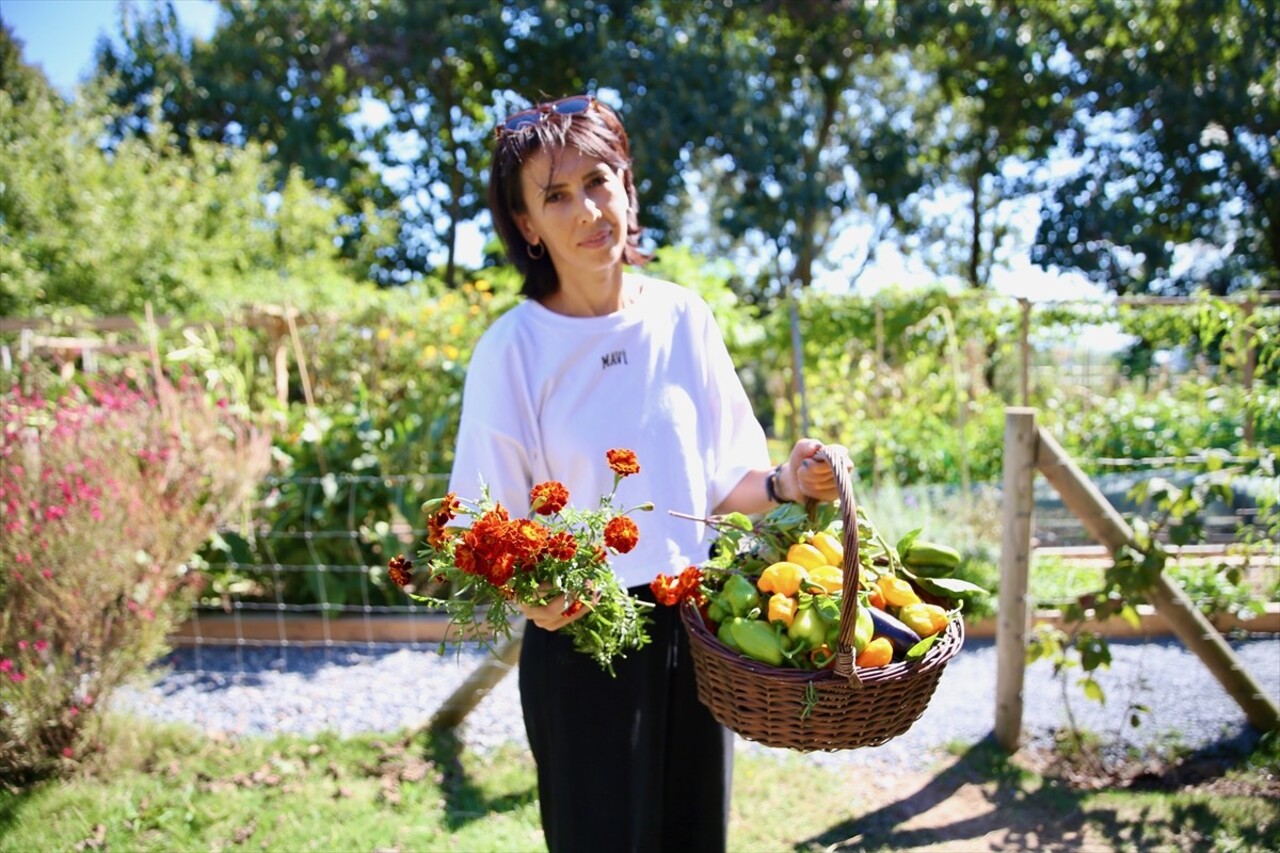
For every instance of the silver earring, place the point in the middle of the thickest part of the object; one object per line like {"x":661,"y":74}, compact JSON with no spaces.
{"x":529,"y":247}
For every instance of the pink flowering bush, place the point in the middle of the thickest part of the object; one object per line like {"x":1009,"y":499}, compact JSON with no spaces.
{"x":106,"y":491}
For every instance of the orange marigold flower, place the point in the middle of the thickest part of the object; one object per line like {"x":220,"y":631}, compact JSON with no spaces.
{"x":671,"y":590}
{"x":494,"y":516}
{"x":488,"y":536}
{"x":562,"y":546}
{"x":572,"y":609}
{"x":690,"y":583}
{"x":448,"y":510}
{"x":438,"y":532}
{"x":527,"y":539}
{"x":666,"y":590}
{"x":621,"y":534}
{"x":464,"y":557}
{"x":500,"y":570}
{"x":623,"y":462}
{"x":548,"y":498}
{"x":400,"y":569}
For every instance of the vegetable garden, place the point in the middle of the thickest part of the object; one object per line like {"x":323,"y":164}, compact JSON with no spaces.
{"x":238,"y":325}
{"x":362,"y":408}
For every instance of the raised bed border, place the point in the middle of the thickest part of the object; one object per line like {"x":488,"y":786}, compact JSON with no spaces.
{"x":299,"y":629}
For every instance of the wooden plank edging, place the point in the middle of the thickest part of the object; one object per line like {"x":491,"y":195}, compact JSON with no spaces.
{"x":259,"y":629}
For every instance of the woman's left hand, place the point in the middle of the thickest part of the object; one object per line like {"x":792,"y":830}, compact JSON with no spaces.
{"x":805,"y":476}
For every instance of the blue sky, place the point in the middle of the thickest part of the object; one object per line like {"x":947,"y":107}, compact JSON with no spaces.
{"x":59,"y":35}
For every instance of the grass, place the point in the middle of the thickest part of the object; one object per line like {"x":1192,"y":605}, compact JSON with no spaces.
{"x":165,"y":788}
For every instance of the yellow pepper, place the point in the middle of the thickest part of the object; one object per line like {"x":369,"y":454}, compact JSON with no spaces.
{"x":925,"y":619}
{"x":783,"y":577}
{"x":782,"y":608}
{"x":830,"y":546}
{"x":897,"y":592}
{"x":830,"y":578}
{"x":804,"y":554}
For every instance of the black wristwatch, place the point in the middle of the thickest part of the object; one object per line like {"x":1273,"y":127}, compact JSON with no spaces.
{"x":771,"y":486}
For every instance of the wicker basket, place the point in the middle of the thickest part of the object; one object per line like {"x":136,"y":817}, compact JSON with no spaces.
{"x":831,"y":709}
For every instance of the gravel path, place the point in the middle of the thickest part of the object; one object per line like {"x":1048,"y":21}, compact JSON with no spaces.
{"x":359,"y":689}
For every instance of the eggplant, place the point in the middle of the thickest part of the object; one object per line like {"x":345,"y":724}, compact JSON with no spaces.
{"x":892,"y":629}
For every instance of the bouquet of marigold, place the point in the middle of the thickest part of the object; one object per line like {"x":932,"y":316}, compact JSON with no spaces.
{"x":498,"y":563}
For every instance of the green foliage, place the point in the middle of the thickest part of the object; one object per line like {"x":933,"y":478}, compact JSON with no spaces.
{"x":108,"y":491}
{"x":1178,"y":186}
{"x":968,"y":523}
{"x":375,"y":441}
{"x":1194,"y":415}
{"x":1176,"y":516}
{"x":1002,"y":101}
{"x":869,"y":361}
{"x":298,"y":104}
{"x":138,"y":223}
{"x":796,"y":122}
{"x":435,"y":66}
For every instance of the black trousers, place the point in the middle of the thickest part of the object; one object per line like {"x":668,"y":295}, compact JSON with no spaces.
{"x":632,"y":763}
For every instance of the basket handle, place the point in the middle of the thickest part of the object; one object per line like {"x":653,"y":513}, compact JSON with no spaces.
{"x":841,"y":468}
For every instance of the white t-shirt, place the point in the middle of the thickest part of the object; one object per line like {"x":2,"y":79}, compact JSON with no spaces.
{"x":546,"y":396}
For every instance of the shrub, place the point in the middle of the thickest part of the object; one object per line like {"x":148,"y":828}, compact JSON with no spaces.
{"x":106,"y":491}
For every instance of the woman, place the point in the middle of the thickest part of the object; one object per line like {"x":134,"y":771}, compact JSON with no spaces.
{"x":599,"y":357}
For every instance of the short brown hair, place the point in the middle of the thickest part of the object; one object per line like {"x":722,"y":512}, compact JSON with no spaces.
{"x":596,"y":132}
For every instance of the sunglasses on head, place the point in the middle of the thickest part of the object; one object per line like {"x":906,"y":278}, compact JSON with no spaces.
{"x":517,"y":122}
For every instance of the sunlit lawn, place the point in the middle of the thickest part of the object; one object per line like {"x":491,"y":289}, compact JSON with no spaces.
{"x":164,"y":788}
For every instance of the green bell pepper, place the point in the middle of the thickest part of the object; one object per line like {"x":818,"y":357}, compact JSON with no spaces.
{"x":741,"y":596}
{"x":757,"y":640}
{"x":725,"y":634}
{"x":807,"y":629}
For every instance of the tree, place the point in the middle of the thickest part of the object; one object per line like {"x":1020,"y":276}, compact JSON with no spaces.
{"x":283,"y":75}
{"x":784,"y":152}
{"x":435,"y":67}
{"x":1005,"y":100}
{"x":111,"y":230}
{"x":20,"y":81}
{"x":1179,"y":143}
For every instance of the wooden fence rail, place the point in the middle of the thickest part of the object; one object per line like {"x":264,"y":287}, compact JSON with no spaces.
{"x":1028,"y":449}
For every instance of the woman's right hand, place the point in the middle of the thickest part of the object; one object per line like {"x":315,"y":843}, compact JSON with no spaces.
{"x":556,"y":613}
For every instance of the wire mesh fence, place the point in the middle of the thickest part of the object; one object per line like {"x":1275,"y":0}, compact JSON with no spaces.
{"x":306,"y":569}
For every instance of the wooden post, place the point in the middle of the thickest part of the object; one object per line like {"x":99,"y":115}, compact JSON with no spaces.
{"x":478,"y":684}
{"x":279,"y":336}
{"x":1015,"y":555}
{"x":1250,"y":367}
{"x":797,"y":364}
{"x":1185,"y":619}
{"x":1024,"y":349}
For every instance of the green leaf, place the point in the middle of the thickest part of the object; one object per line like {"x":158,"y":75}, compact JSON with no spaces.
{"x":1094,"y":650}
{"x":1130,"y":615}
{"x":737,"y":520}
{"x":1093,"y":690}
{"x":904,"y":544}
{"x":918,"y":650}
{"x":950,"y":586}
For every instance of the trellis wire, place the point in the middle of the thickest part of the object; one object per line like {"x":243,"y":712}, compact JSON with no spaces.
{"x":205,"y":634}
{"x":265,"y":541}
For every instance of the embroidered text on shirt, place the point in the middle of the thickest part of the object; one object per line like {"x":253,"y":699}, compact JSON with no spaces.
{"x":615,"y":357}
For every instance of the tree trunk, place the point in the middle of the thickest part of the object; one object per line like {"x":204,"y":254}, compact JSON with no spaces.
{"x":975,"y":208}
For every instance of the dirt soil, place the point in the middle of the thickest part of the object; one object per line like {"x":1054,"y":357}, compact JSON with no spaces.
{"x":971,"y":803}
